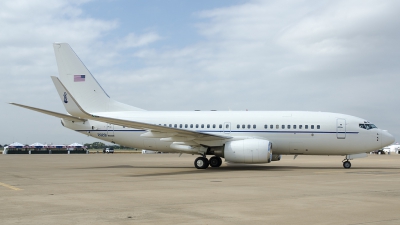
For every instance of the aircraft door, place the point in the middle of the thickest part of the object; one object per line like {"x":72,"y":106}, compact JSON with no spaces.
{"x":341,"y":128}
{"x":110,"y":130}
{"x":227,"y":127}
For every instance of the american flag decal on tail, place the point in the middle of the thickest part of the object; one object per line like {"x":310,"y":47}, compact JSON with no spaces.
{"x":79,"y":78}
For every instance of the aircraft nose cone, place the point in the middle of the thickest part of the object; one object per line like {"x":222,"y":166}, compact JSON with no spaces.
{"x":387,"y":138}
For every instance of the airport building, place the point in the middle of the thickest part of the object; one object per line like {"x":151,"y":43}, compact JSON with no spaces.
{"x":38,"y":148}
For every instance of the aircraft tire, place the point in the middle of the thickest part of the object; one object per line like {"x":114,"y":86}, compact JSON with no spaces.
{"x":215,"y":161}
{"x":347,"y":164}
{"x":201,"y":163}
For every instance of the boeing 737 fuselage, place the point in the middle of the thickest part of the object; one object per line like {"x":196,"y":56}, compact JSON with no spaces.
{"x":237,"y":136}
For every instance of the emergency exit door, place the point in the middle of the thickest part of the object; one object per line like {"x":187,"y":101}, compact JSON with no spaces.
{"x":110,"y":130}
{"x":341,"y":128}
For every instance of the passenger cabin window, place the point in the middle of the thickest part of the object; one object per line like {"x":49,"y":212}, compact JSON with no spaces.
{"x":294,"y":126}
{"x":220,"y":126}
{"x":175,"y":125}
{"x":305,"y":126}
{"x":227,"y":126}
{"x":271,"y":126}
{"x":277,"y":126}
{"x":288,"y":126}
{"x":318,"y":126}
{"x":312,"y":126}
{"x":214,"y":126}
{"x":208,"y":125}
{"x":265,"y":126}
{"x":186,"y":126}
{"x":191,"y":125}
{"x":243,"y":126}
{"x":238,"y":126}
{"x":300,"y":126}
{"x":202,"y":126}
{"x":283,"y":126}
{"x":180,"y":125}
{"x":197,"y":126}
{"x":248,"y":126}
{"x":165,"y":125}
{"x":254,"y":126}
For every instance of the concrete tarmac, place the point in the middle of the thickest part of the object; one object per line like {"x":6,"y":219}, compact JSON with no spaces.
{"x":167,"y":189}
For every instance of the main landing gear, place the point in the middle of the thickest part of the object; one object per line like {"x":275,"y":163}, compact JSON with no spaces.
{"x":346,"y":164}
{"x":215,"y":161}
{"x":203,"y":162}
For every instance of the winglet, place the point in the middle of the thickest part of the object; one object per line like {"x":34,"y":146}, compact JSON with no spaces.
{"x":69,"y":105}
{"x":74,"y":106}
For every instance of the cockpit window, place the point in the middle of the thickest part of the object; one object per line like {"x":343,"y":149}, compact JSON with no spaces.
{"x":367,"y":126}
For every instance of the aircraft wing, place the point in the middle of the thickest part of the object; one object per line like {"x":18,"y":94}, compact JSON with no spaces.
{"x":51,"y":113}
{"x":153,"y":131}
{"x":159,"y":131}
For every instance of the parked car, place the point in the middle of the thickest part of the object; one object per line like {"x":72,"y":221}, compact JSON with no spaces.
{"x":108,"y":150}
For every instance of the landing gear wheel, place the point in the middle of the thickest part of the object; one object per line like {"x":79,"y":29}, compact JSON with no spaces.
{"x":347,"y":164}
{"x":215,"y":161}
{"x":201,"y":163}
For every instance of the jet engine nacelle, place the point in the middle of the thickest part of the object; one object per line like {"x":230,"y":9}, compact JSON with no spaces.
{"x":248,"y":151}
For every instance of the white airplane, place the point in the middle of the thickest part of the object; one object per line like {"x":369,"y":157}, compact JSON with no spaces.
{"x":395,"y":148}
{"x":237,"y":136}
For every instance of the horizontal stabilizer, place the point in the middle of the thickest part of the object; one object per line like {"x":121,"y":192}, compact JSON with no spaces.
{"x":51,"y":113}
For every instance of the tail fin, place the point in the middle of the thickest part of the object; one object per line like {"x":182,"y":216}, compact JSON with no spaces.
{"x":81,"y":83}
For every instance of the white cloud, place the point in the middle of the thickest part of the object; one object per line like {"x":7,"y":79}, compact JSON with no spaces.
{"x":280,"y":55}
{"x":133,"y":41}
{"x":27,"y":31}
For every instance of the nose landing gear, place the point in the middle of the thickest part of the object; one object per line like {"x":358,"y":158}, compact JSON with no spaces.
{"x":346,"y":161}
{"x":346,"y":164}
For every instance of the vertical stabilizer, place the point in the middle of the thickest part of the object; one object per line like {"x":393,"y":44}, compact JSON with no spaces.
{"x":80,"y":82}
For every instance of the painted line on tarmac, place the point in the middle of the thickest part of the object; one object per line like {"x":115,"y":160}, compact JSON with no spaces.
{"x":331,"y":172}
{"x":10,"y":186}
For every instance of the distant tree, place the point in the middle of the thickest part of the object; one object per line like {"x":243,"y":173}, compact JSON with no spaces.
{"x":98,"y":145}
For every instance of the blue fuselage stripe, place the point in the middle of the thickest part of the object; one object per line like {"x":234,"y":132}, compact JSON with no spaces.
{"x":236,"y":131}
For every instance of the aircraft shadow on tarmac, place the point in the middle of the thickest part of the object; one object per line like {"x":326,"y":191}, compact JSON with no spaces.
{"x":229,"y":168}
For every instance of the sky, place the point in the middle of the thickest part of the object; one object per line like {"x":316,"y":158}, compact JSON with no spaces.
{"x":331,"y":56}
